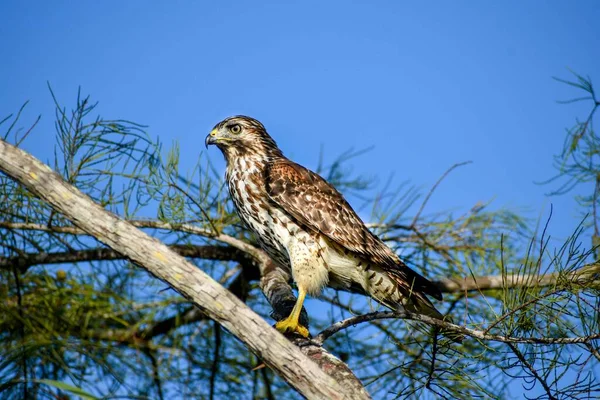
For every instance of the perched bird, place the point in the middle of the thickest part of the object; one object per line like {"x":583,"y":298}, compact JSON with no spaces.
{"x":309,"y":229}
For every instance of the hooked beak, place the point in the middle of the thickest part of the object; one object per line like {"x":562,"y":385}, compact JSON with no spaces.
{"x":211,"y":138}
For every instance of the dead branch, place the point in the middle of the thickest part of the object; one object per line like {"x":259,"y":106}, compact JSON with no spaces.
{"x":192,"y":283}
{"x":589,"y":273}
{"x":446,"y":285}
{"x":255,"y":252}
{"x":24,"y":261}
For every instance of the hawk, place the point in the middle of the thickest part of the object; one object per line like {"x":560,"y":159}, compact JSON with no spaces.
{"x":307,"y":226}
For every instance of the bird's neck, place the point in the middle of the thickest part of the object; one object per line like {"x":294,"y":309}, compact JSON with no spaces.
{"x":259,"y":154}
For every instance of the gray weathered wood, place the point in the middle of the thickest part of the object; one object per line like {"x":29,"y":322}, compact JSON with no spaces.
{"x":272,"y":347}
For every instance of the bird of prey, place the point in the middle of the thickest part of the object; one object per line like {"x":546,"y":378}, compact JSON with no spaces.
{"x":309,"y":229}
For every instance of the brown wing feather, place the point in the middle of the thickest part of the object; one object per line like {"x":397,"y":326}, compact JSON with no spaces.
{"x":314,"y":203}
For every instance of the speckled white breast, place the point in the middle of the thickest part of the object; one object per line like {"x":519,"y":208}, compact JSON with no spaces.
{"x":279,"y":235}
{"x":272,"y":227}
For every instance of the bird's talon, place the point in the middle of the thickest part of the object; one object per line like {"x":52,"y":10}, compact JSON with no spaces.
{"x":286,"y":326}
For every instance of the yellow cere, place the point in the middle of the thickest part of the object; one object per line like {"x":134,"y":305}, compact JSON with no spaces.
{"x":33,"y":175}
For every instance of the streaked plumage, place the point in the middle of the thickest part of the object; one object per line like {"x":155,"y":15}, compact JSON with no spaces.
{"x":308,"y":227}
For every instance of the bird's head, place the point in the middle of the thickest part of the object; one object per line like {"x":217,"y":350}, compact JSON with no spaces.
{"x":239,"y":135}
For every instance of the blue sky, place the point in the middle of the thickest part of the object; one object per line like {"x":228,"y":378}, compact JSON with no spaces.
{"x":428,"y":84}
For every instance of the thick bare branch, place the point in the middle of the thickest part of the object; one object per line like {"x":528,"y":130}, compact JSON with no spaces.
{"x":330,"y":363}
{"x":446,"y":285}
{"x":587,"y":274}
{"x":226,"y":253}
{"x":255,"y":252}
{"x":281,"y":355}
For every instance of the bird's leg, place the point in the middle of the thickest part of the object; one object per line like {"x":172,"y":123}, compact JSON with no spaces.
{"x":291,"y":324}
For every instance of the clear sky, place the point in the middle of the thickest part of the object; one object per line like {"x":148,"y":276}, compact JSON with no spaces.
{"x":428,"y":84}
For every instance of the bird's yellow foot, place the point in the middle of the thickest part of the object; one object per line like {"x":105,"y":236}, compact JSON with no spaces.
{"x":290,"y":325}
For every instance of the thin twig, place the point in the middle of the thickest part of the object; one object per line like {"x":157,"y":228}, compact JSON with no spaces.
{"x":197,"y":204}
{"x":21,"y":331}
{"x":264,"y":374}
{"x":214,"y":369}
{"x":418,"y":214}
{"x":477,"y":334}
{"x":432,"y":366}
{"x":533,"y":371}
{"x":155,"y":372}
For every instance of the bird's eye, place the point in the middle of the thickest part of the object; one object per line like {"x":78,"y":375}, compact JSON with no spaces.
{"x":235,"y":129}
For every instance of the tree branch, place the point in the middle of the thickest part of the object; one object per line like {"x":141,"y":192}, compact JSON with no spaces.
{"x":478,"y":334}
{"x":170,"y":267}
{"x":335,"y":367}
{"x":255,"y":252}
{"x":589,"y":273}
{"x":532,"y":370}
{"x":225,"y":253}
{"x":162,"y":327}
{"x":444,"y":175}
{"x":446,"y":285}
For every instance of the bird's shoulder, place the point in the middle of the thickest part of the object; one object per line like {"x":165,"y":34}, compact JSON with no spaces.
{"x":318,"y":206}
{"x":285,"y":176}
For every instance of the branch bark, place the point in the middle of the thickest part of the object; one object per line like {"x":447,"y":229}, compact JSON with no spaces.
{"x":192,"y":283}
{"x":23,"y":262}
{"x":469,"y":284}
{"x":446,"y":285}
